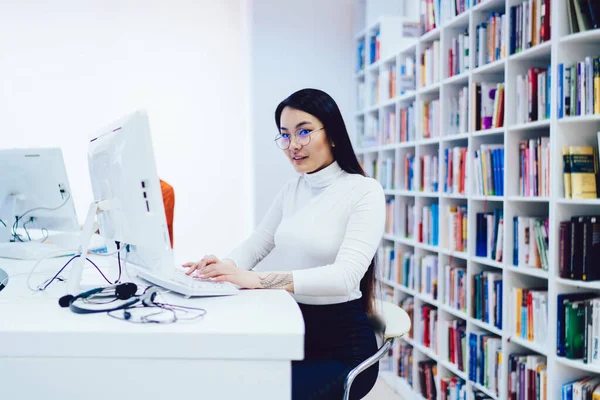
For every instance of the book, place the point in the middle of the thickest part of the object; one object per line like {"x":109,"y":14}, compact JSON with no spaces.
{"x":583,"y":168}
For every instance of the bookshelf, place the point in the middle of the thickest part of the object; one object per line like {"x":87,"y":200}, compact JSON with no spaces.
{"x":444,"y":87}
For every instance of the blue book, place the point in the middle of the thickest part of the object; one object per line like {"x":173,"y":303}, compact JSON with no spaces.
{"x":447,"y":172}
{"x":502,"y":169}
{"x":480,"y":248}
{"x":561,"y":93}
{"x":516,"y":241}
{"x":435,"y":218}
{"x":498,"y":288}
{"x":486,"y":301}
{"x":512,"y":38}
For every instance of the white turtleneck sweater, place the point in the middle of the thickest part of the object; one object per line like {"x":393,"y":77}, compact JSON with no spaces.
{"x":325,"y":228}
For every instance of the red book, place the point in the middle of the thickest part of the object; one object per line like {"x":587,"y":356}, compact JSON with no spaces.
{"x":463,"y":172}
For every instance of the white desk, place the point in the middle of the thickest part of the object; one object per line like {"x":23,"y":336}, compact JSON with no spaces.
{"x":241,"y":349}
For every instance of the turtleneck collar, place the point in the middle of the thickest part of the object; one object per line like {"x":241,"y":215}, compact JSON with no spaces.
{"x":324,"y":177}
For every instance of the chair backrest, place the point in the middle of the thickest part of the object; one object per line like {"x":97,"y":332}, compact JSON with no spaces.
{"x":397,"y":322}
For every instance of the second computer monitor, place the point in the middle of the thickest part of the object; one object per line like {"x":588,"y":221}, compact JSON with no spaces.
{"x":34,"y":188}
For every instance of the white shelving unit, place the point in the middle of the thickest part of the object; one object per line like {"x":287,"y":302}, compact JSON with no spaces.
{"x":562,"y":48}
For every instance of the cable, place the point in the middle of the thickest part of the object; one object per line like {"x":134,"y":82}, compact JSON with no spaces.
{"x":25,"y":227}
{"x":61,"y":252}
{"x":119,"y":260}
{"x":3,"y":223}
{"x":17,"y":218}
{"x":48,"y":282}
{"x":47,"y":234}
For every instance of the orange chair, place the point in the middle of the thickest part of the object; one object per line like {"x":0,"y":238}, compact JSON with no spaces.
{"x":169,"y":200}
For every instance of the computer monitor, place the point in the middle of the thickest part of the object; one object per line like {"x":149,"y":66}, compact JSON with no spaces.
{"x":35,"y":188}
{"x":123,"y":175}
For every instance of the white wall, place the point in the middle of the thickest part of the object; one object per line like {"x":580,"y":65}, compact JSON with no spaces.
{"x":68,"y":67}
{"x":295,"y":45}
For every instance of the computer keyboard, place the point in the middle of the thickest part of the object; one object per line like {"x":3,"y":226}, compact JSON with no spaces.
{"x":177,"y":281}
{"x":32,"y":250}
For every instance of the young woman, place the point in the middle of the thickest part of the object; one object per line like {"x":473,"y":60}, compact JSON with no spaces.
{"x":323,"y":229}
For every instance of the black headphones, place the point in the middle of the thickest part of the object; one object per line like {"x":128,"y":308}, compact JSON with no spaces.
{"x":123,"y":291}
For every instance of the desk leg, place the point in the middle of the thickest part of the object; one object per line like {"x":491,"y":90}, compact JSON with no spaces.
{"x":102,"y":378}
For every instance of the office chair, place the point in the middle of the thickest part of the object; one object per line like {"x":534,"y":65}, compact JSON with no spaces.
{"x":397,"y":323}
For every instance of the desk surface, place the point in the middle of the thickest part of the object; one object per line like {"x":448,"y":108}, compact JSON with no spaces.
{"x":255,"y":324}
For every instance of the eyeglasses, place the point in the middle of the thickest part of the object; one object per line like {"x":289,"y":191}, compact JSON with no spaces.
{"x":302,"y":136}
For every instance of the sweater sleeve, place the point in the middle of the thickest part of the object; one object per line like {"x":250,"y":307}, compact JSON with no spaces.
{"x":251,"y":251}
{"x":362,"y":237}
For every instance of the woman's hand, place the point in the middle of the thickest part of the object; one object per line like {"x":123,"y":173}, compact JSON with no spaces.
{"x":223,"y":271}
{"x":210,"y":267}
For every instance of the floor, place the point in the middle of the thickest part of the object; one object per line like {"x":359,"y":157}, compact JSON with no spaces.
{"x":381,"y":391}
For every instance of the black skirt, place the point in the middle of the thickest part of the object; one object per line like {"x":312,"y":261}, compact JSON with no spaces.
{"x":337,"y":338}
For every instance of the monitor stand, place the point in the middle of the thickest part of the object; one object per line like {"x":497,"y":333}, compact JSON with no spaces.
{"x":74,"y":286}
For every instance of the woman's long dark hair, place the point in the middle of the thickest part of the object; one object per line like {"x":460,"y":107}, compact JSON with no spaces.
{"x":320,"y":105}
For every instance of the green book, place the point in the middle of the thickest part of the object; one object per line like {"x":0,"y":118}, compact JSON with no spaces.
{"x":575,"y":329}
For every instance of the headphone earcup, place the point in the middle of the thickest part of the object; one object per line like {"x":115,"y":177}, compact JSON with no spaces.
{"x":125,"y":291}
{"x":149,"y":295}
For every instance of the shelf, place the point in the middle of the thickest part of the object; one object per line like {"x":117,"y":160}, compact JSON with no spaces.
{"x":375,"y":149}
{"x":455,"y":137}
{"x":429,"y":194}
{"x":431,"y":35}
{"x":425,"y":350}
{"x":595,"y":285}
{"x":410,"y":95}
{"x":485,"y":390}
{"x":361,"y":34}
{"x":456,"y":254}
{"x":454,"y":196}
{"x":387,"y":103}
{"x":578,"y":364}
{"x":454,"y":369}
{"x":457,"y":79}
{"x":427,"y":299}
{"x":488,"y":132}
{"x":487,"y":198}
{"x":581,"y":202}
{"x":579,"y":119}
{"x":432,"y":88}
{"x":526,"y":270}
{"x":409,"y":49}
{"x":529,"y":199}
{"x":434,"y":140}
{"x":490,"y":68}
{"x":588,"y":37}
{"x":458,"y":21}
{"x":529,"y":345}
{"x":486,"y":326}
{"x":545,"y":123}
{"x":428,"y":247}
{"x":454,"y":311}
{"x":372,"y":108}
{"x":488,"y":262}
{"x":402,"y":192}
{"x":541,"y":51}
